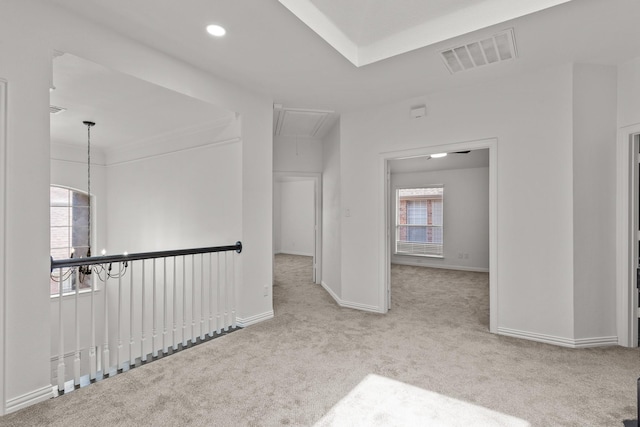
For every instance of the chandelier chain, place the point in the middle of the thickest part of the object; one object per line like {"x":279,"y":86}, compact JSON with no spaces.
{"x":89,"y":187}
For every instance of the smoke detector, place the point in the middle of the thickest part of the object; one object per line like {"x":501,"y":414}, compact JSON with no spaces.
{"x":497,"y":48}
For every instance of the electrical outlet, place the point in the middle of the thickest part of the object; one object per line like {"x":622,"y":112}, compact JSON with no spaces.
{"x":266,"y":290}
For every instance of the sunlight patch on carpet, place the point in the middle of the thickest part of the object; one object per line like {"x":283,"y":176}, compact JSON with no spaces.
{"x":380,"y":401}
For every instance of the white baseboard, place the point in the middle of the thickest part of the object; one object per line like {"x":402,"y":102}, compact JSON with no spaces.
{"x":330,"y":291}
{"x":284,"y":252}
{"x":560,"y":341}
{"x":243,"y":322}
{"x":28,"y":399}
{"x":417,"y":263}
{"x":349,"y":304}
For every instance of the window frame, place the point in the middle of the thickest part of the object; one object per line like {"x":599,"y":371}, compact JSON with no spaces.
{"x":92,"y":286}
{"x":397,"y":225}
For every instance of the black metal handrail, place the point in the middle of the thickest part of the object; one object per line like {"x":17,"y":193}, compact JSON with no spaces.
{"x":106,"y":259}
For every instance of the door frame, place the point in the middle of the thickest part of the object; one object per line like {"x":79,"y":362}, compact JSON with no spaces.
{"x":3,"y":242}
{"x":626,"y":239}
{"x":384,"y":207}
{"x":317,"y":188}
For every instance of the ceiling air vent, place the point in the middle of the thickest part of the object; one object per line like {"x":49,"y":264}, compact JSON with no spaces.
{"x":56,"y":110}
{"x":498,"y":48}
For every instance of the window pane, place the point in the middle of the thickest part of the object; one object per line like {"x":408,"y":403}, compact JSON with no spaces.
{"x":59,"y":196}
{"x":61,"y":253}
{"x":420,"y":218}
{"x":60,"y":216}
{"x":80,"y":199}
{"x":80,"y":251}
{"x":80,"y":216}
{"x":417,"y":212}
{"x":418,"y":234}
{"x":79,"y":236}
{"x":60,"y":237}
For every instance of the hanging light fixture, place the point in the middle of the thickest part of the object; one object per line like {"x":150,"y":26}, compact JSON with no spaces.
{"x":103,"y":271}
{"x":100,"y":268}
{"x":85,"y":270}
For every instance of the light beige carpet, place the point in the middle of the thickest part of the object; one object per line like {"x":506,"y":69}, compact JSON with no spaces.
{"x":293,"y":369}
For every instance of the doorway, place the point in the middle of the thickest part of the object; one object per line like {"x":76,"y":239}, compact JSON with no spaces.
{"x":628,"y":236}
{"x":387,"y":207}
{"x":297,"y":217}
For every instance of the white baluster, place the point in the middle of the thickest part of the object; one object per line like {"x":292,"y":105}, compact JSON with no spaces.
{"x":165,"y":346}
{"x":105,"y":349}
{"x":76,"y":360}
{"x":132,"y":358}
{"x":154,"y":352}
{"x":143,"y":338}
{"x":218,"y":299}
{"x":119,"y":351}
{"x":233,"y":290}
{"x":93,"y":365}
{"x":60,"y":335}
{"x":184,"y":301}
{"x":211,"y":328}
{"x":193,"y":299}
{"x":201,"y":297}
{"x":226,"y":292}
{"x":174,"y":342}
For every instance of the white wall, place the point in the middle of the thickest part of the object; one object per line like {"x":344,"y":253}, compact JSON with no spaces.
{"x":187,"y":199}
{"x":297,"y":154}
{"x":594,"y":181}
{"x":331,"y":212}
{"x":297,"y":212}
{"x":466,"y":217}
{"x":531,"y":116}
{"x":629,"y":93}
{"x":31,"y":29}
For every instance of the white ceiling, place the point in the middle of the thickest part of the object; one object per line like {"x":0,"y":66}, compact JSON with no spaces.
{"x":366,"y":31}
{"x":271,"y":51}
{"x":472,"y":159}
{"x":126,"y":110}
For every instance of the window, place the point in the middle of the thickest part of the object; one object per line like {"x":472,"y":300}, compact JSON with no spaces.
{"x":419,"y":213}
{"x":69,"y":235}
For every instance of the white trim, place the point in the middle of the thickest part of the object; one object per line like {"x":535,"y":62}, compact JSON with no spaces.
{"x":252,"y":320}
{"x":316,"y":177}
{"x":3,"y":242}
{"x":417,"y":263}
{"x":349,"y":304}
{"x":626,"y":320}
{"x":383,"y":211}
{"x":285,"y":252}
{"x":28,"y":399}
{"x":560,"y":341}
{"x":168,"y":153}
{"x":330,"y":291}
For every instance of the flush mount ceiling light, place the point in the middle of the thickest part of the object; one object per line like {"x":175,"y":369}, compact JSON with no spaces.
{"x":216,"y":30}
{"x":438,"y":155}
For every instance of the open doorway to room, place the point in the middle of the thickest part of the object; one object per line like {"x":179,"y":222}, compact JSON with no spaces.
{"x":296,"y":220}
{"x":439,"y":231}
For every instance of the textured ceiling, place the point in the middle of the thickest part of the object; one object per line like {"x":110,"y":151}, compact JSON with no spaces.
{"x":126,"y":110}
{"x":366,"y":31}
{"x":270,"y":51}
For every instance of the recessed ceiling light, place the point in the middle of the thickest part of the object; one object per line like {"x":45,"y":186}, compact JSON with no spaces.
{"x":438,"y":155}
{"x":216,"y":30}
